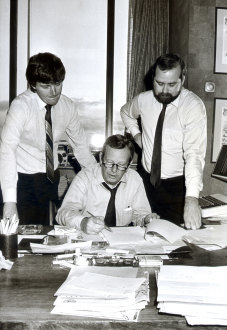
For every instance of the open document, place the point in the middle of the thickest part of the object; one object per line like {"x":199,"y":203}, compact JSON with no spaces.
{"x":164,"y":230}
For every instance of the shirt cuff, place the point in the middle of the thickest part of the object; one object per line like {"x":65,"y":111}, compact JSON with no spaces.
{"x":9,"y":195}
{"x":134,"y":131}
{"x":192,"y":192}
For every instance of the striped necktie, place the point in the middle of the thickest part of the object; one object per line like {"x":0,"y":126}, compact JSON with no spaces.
{"x":155,"y":175}
{"x":49,"y":145}
{"x":110,"y":217}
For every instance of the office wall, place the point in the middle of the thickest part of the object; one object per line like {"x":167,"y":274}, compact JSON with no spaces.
{"x":192,"y":34}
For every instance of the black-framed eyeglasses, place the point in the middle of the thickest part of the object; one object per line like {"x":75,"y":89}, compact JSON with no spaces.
{"x":119,"y":166}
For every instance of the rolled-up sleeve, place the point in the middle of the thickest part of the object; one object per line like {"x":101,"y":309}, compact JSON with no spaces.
{"x":10,"y":139}
{"x":130,"y":113}
{"x":194,"y":146}
{"x":71,"y":211}
{"x":78,"y":140}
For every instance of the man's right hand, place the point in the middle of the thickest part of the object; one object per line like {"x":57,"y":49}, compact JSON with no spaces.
{"x":9,"y":209}
{"x":92,"y":225}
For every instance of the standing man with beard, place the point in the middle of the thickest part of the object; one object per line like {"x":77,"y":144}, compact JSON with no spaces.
{"x":175,"y":119}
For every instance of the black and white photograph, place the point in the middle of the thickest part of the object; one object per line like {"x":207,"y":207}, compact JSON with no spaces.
{"x":113,"y":164}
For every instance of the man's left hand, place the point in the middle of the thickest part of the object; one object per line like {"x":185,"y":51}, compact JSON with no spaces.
{"x":192,"y":213}
{"x":148,"y":218}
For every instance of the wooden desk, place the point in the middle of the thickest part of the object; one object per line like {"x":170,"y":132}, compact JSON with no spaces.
{"x":27,"y":296}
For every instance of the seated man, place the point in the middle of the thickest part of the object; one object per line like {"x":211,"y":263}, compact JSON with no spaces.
{"x":89,"y":203}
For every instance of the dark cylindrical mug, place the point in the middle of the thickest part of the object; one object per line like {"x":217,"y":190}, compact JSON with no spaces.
{"x":8,"y":246}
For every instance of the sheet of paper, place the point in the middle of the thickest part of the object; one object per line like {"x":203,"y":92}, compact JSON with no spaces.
{"x":124,"y":235}
{"x":164,"y":228}
{"x":193,"y":320}
{"x":114,"y":271}
{"x":73,"y":233}
{"x":216,"y":235}
{"x":130,"y":315}
{"x":98,"y":285}
{"x":192,"y":284}
{"x":61,"y":248}
{"x":196,"y":309}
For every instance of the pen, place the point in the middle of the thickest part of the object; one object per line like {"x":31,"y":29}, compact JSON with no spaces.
{"x":105,"y":226}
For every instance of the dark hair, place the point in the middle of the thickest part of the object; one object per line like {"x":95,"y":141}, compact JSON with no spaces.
{"x":164,"y":62}
{"x":45,"y":68}
{"x":119,"y":141}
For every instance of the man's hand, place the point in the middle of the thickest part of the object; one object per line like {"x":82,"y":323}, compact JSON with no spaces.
{"x":192,"y":213}
{"x":138,"y":139}
{"x":92,"y":225}
{"x":148,"y":218}
{"x":9,"y":209}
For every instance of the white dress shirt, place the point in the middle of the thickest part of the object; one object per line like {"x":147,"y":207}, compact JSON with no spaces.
{"x":23,"y":138}
{"x":87,"y":194}
{"x":184,"y":135}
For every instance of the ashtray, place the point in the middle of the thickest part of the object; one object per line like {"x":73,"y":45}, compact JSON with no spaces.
{"x":30,"y":229}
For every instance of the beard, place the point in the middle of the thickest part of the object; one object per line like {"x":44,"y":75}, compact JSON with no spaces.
{"x":166,"y":98}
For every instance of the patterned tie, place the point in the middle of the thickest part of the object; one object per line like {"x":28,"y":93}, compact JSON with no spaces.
{"x":155,"y":176}
{"x":49,"y":145}
{"x":110,"y":217}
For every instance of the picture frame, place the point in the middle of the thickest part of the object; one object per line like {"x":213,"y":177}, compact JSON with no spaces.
{"x":219,"y":127}
{"x":220,"y":58}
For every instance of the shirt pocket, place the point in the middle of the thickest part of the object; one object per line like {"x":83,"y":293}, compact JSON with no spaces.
{"x":127,"y":215}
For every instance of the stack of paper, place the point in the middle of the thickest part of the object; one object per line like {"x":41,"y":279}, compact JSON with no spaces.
{"x":103,"y":292}
{"x":198,"y":293}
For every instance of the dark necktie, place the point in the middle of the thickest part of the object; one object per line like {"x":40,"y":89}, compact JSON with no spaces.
{"x":49,"y":145}
{"x":155,"y":175}
{"x":110,"y":217}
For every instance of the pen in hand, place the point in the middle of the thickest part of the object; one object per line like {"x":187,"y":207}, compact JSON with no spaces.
{"x":105,"y":226}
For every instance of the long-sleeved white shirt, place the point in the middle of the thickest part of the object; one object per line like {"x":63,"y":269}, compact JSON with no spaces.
{"x":184,"y":135}
{"x":86,"y":193}
{"x":23,"y":138}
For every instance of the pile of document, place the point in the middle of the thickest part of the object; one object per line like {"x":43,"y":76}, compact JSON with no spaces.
{"x":103,"y":292}
{"x":198,"y":293}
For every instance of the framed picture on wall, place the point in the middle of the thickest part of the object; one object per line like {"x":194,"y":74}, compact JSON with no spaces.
{"x":220,"y":62}
{"x":220,"y":126}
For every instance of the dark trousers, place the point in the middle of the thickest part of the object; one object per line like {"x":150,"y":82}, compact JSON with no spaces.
{"x":167,"y":200}
{"x":34,"y":192}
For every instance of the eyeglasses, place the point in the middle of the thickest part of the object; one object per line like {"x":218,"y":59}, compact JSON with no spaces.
{"x":111,"y":165}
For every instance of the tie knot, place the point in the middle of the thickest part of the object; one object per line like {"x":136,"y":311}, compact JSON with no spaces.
{"x":164,"y":105}
{"x":112,"y":190}
{"x":48,"y":113}
{"x":48,"y":107}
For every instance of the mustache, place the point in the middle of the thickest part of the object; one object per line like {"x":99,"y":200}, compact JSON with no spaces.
{"x":166,"y":95}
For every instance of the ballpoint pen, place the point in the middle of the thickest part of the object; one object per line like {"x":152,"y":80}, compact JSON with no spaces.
{"x":105,"y":226}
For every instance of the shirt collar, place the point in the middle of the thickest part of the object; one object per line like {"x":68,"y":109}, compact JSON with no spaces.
{"x":175,"y":103}
{"x":40,"y":102}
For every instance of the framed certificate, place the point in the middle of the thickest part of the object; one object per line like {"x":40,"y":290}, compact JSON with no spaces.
{"x":220,"y":63}
{"x":220,"y":126}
